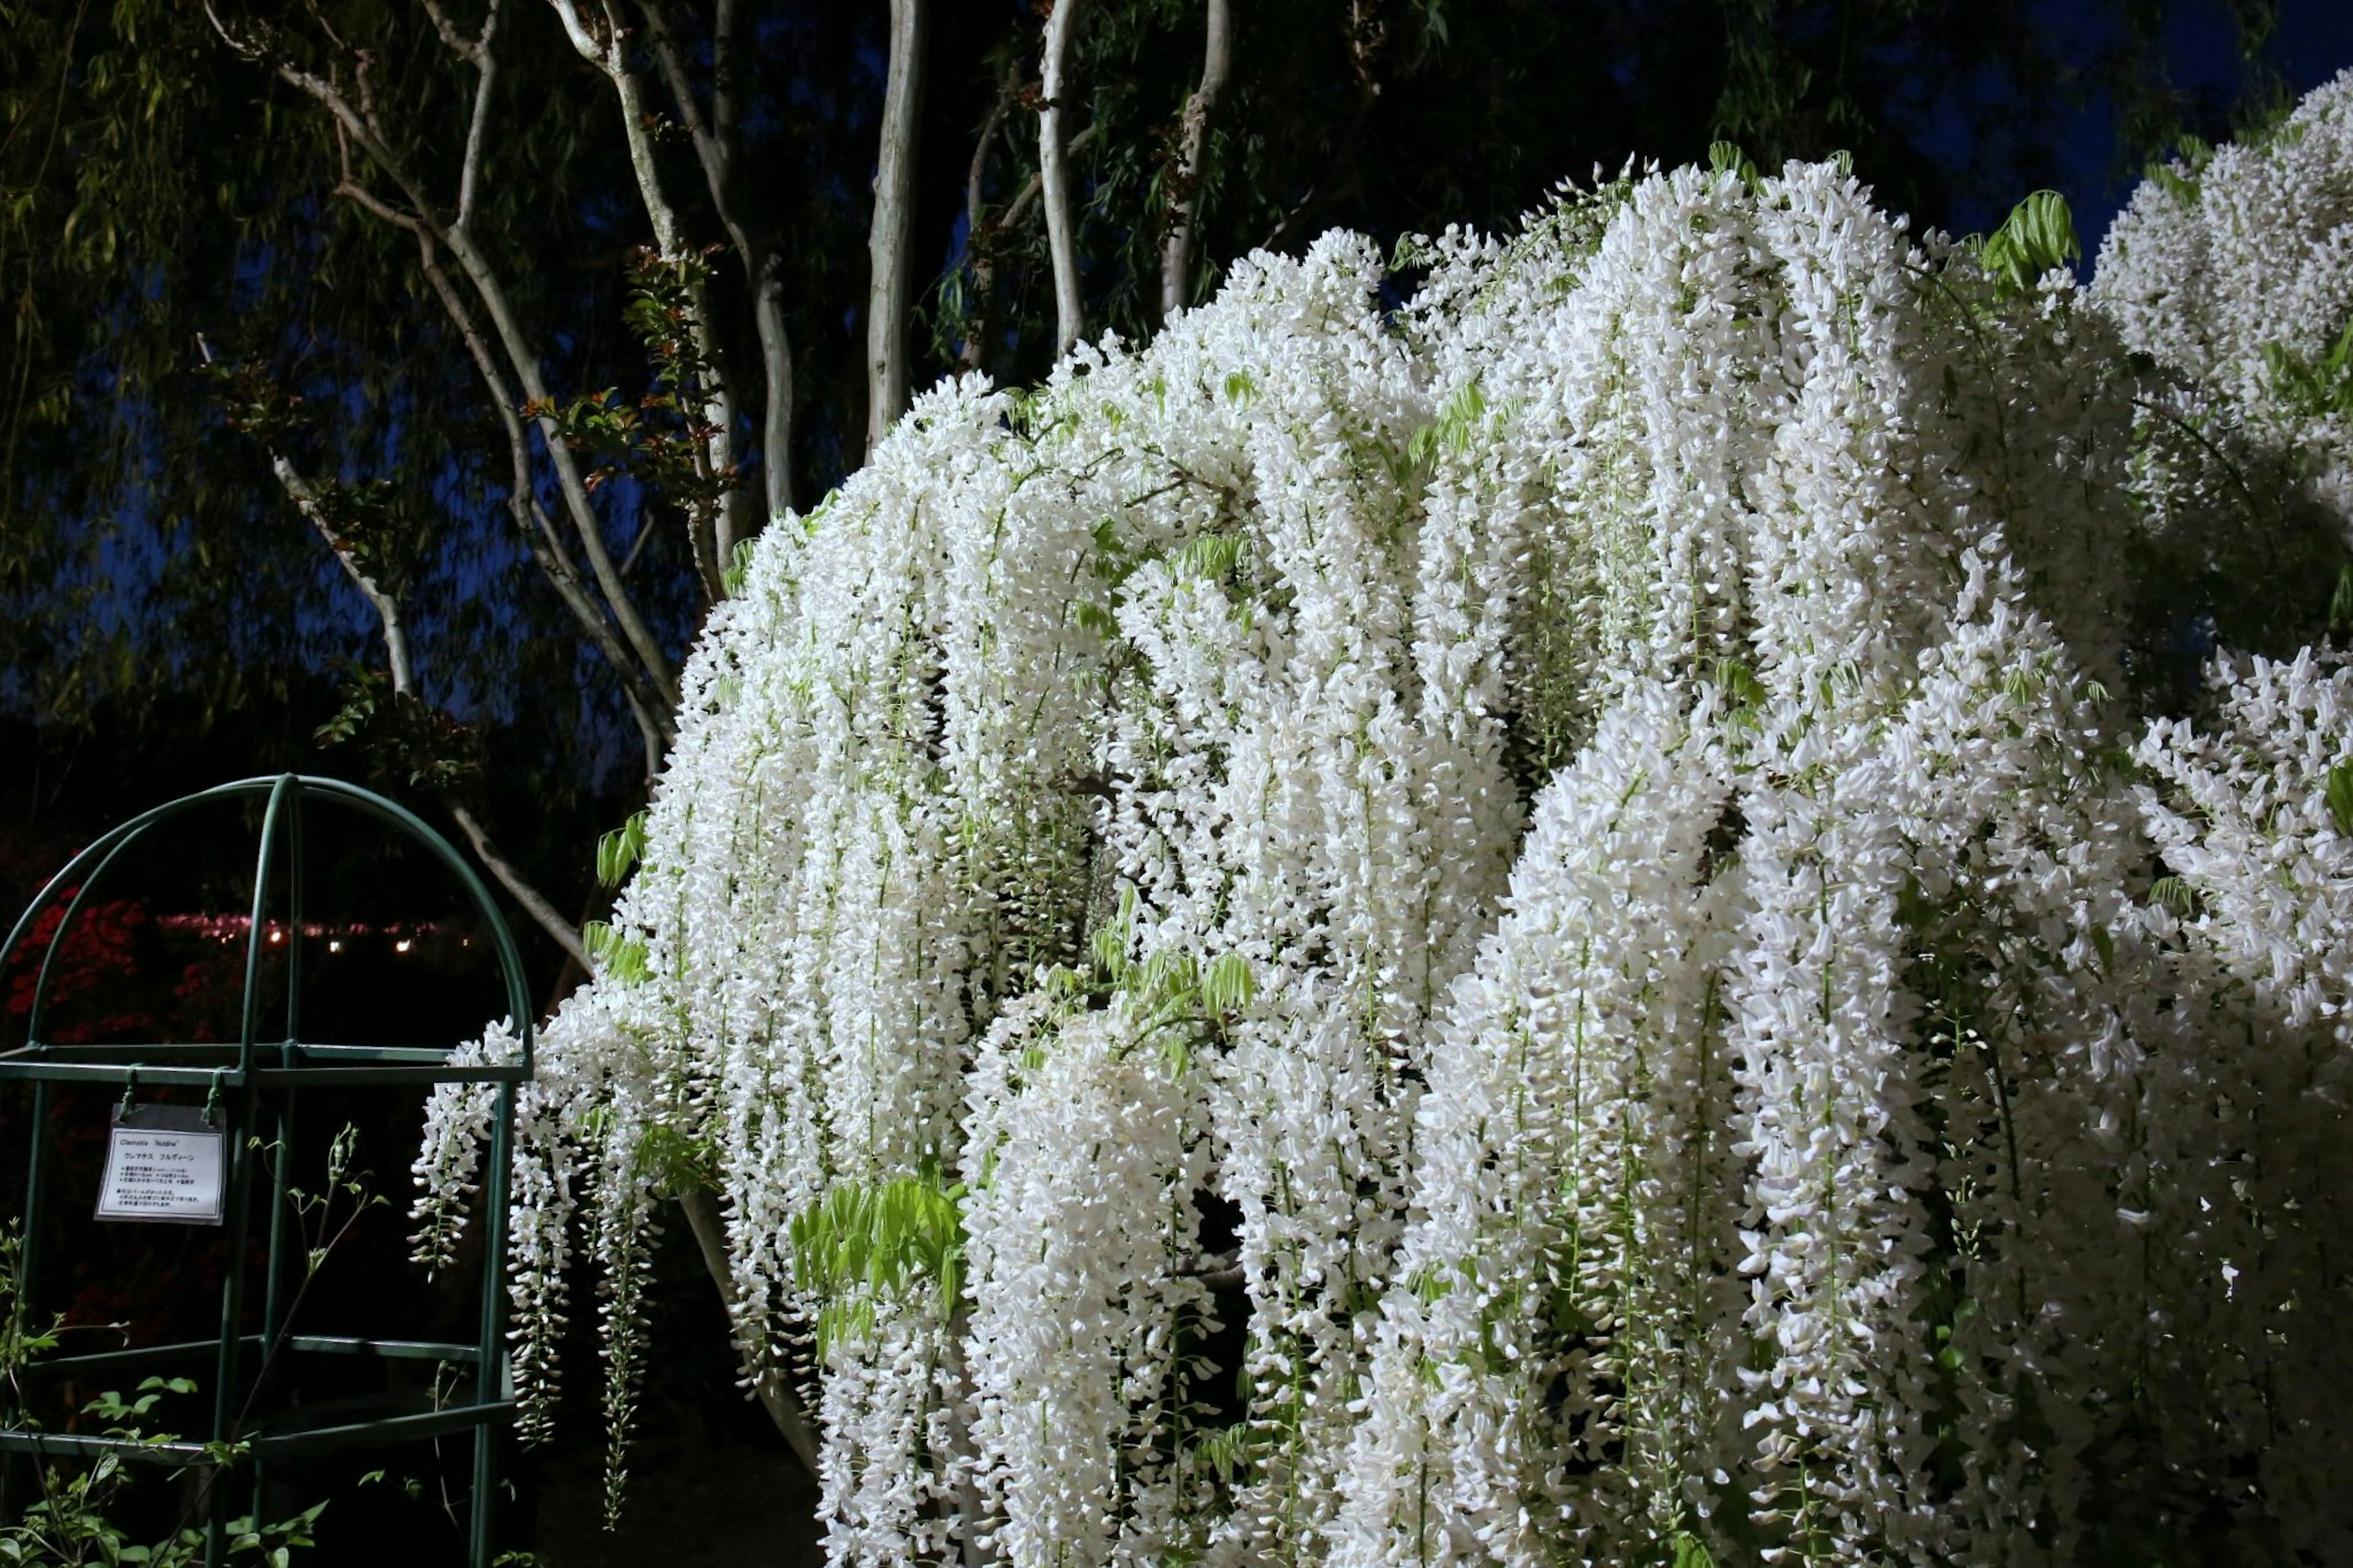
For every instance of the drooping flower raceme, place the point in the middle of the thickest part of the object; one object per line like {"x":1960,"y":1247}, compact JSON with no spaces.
{"x":1523,"y":926}
{"x":2233,"y":267}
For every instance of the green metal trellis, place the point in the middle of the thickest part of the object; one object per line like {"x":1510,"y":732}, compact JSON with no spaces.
{"x":251,"y":1080}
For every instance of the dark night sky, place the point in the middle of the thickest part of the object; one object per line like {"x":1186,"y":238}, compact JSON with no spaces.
{"x":2313,"y":42}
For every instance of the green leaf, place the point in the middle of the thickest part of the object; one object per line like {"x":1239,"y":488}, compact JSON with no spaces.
{"x":1690,"y":1551}
{"x":1726,"y":158}
{"x":730,"y":580}
{"x":621,"y":959}
{"x":1229,"y":986}
{"x":2038,"y":236}
{"x":619,"y":852}
{"x":862,"y":1241}
{"x":2339,"y":795}
{"x":2340,"y":603}
{"x":1451,"y":431}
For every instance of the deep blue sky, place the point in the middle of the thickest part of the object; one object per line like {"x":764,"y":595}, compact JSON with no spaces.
{"x":2313,"y":42}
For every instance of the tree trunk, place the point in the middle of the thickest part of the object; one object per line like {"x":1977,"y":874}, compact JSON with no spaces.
{"x":1070,"y":306}
{"x":1184,"y":203}
{"x":776,"y":417}
{"x":886,"y":245}
{"x":774,"y":1390}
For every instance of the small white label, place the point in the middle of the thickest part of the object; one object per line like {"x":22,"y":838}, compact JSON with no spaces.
{"x":162,"y":1164}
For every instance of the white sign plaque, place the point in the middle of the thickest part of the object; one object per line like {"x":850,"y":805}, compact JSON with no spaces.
{"x":162,"y":1163}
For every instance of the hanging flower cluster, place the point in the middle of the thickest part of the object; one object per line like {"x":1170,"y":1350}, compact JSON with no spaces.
{"x":1525,"y":927}
{"x":2232,"y":267}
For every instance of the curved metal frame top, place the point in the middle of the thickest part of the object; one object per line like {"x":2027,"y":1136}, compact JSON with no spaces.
{"x":281,"y":818}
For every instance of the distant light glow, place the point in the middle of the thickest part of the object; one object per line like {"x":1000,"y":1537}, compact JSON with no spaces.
{"x":403,"y":945}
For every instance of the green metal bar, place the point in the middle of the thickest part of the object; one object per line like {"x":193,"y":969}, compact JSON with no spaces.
{"x":226,"y":1405}
{"x":48,"y":1050}
{"x":229,"y":1077}
{"x":100,"y":1361}
{"x":117,"y":1072}
{"x":273,"y":1279}
{"x":301,"y":1051}
{"x":391,"y":1350}
{"x":388,"y":1075}
{"x":387,"y":1431}
{"x":27,"y":1267}
{"x":490,"y":1373}
{"x":95,"y":1072}
{"x":65,"y":925}
{"x":249,"y":1027}
{"x":69,"y":1444}
{"x":50,"y":1367}
{"x":294,"y":912}
{"x":225,"y":1374}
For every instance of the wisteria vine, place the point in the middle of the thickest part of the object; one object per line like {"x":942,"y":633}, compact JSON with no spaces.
{"x":1561,"y":922}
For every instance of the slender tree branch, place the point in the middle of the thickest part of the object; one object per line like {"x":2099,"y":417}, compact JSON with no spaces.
{"x":769,"y":1382}
{"x":1062,"y":238}
{"x":717,"y":149}
{"x":388,"y":610}
{"x":539,"y":532}
{"x":1185,"y":179}
{"x":608,"y":50}
{"x":306,"y":500}
{"x":485,"y":65}
{"x":533,"y":902}
{"x":520,"y":357}
{"x":979,"y":234}
{"x":1023,"y":199}
{"x":892,"y":222}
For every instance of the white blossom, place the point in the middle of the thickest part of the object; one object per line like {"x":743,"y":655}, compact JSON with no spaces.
{"x":1591,"y":820}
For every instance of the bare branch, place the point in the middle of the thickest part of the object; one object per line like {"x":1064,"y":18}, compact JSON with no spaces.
{"x":610,"y":52}
{"x":387,"y":611}
{"x":476,"y":126}
{"x":773,"y":1389}
{"x":521,"y":356}
{"x":533,"y":901}
{"x":715,"y":148}
{"x":710,"y":150}
{"x":978,"y":232}
{"x":1023,"y":199}
{"x":1184,"y":180}
{"x":893,"y":221}
{"x":404,"y":684}
{"x":1061,"y":237}
{"x":539,"y":534}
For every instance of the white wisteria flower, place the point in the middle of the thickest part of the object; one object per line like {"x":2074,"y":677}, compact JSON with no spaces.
{"x":1557,"y":922}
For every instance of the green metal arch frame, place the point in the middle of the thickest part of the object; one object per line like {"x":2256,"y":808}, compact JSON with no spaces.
{"x":45,"y":1066}
{"x":279,"y":820}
